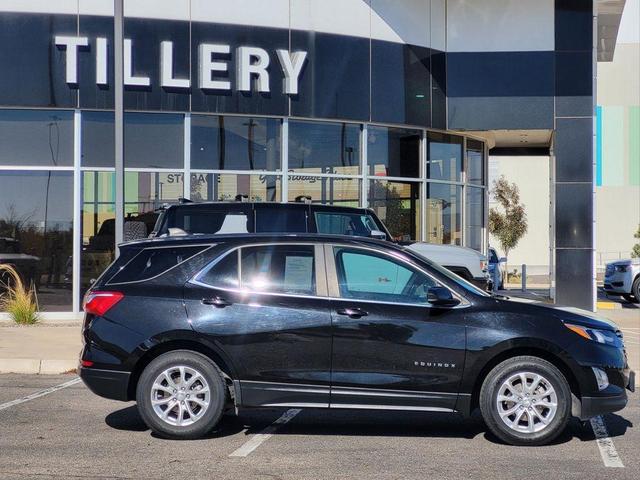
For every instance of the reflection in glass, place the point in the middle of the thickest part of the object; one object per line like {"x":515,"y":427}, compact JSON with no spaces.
{"x":398,"y":206}
{"x":153,"y":140}
{"x":444,"y":214}
{"x":324,"y":147}
{"x":98,"y":225}
{"x":36,"y":233}
{"x":327,"y":190}
{"x":235,"y":143}
{"x":215,"y":186}
{"x":444,"y":157}
{"x":144,"y":194}
{"x":393,"y":152}
{"x":474,"y":215}
{"x":475,"y":162}
{"x":36,"y":137}
{"x":98,"y":141}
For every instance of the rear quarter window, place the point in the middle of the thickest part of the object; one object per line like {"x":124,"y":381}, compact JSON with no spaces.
{"x":152,"y":262}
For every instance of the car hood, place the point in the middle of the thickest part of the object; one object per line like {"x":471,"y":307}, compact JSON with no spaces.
{"x":573,"y":315}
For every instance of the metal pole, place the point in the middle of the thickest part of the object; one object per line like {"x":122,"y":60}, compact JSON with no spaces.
{"x":524,"y":277}
{"x":118,"y":54}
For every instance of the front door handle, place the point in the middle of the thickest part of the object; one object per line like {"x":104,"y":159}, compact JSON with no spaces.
{"x":217,"y":302}
{"x":352,"y":312}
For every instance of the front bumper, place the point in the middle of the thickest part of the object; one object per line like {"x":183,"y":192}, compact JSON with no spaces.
{"x":594,"y":406}
{"x":618,"y":283}
{"x":110,"y":384}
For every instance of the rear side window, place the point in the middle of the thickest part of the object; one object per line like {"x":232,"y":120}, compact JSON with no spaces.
{"x":209,"y":221}
{"x":281,"y":220}
{"x":223,"y":273}
{"x":279,"y":269}
{"x":152,"y":262}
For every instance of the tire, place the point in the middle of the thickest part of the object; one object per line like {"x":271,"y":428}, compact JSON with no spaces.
{"x":635,"y":289}
{"x":520,"y":433}
{"x":190,"y":412}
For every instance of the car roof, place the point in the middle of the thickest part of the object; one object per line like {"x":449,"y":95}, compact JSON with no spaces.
{"x":232,"y":203}
{"x":249,"y":238}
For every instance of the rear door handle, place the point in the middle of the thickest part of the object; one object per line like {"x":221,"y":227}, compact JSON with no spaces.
{"x":217,"y":302}
{"x":352,"y":312}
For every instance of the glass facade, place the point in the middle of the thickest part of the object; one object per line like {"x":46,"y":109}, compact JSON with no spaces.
{"x":36,"y":230}
{"x":425,"y":186}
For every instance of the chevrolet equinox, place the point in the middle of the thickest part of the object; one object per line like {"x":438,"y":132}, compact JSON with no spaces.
{"x":192,"y":326}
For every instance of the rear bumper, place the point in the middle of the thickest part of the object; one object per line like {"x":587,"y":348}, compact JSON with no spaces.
{"x":110,"y":384}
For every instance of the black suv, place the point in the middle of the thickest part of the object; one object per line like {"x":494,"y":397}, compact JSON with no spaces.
{"x":190,"y":326}
{"x":217,"y":218}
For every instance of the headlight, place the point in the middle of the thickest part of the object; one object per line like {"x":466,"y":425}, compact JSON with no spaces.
{"x":601,"y":336}
{"x":621,"y":268}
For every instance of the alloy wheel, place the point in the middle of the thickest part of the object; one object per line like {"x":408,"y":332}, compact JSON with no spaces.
{"x":527,"y":402}
{"x":180,"y":395}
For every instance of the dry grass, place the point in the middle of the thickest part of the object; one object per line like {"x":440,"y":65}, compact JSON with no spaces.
{"x":19,"y":301}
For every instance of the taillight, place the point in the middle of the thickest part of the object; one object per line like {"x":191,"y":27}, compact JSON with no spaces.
{"x":98,"y":303}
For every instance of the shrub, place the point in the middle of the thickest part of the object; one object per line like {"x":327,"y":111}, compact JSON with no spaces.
{"x":19,"y":301}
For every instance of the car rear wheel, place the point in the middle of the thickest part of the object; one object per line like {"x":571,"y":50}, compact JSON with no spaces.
{"x":181,"y":395}
{"x":525,"y":401}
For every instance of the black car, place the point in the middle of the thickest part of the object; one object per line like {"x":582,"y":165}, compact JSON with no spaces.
{"x":217,"y":218}
{"x":191,"y":326}
{"x":302,"y":216}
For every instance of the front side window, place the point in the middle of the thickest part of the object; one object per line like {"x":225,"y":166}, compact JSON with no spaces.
{"x":371,"y":276}
{"x":279,"y":269}
{"x":354,"y":224}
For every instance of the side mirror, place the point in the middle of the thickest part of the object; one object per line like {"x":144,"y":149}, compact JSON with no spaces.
{"x":378,"y":234}
{"x":503,"y":260}
{"x":441,"y":297}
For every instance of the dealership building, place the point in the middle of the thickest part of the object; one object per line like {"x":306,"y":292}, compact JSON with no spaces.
{"x":392,"y":104}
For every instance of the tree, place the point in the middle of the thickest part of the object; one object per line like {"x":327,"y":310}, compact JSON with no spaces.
{"x":635,"y":251}
{"x":509,"y":222}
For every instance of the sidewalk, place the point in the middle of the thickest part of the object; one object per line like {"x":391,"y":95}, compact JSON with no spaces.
{"x":45,"y":348}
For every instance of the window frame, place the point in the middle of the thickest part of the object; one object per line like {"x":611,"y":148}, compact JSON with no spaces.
{"x":319,"y":265}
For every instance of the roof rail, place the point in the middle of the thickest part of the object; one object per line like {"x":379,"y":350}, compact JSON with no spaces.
{"x":182,"y":200}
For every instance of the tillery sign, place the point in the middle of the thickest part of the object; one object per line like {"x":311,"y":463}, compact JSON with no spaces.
{"x":251,"y":64}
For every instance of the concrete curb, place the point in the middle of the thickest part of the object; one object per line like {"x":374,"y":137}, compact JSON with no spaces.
{"x":36,"y":366}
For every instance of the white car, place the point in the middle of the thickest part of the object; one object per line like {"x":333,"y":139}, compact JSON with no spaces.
{"x":465,"y":262}
{"x":623,"y":278}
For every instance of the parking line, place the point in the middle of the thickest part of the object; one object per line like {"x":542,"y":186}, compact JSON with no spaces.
{"x":608,"y":450}
{"x":39,"y":394}
{"x":259,"y":438}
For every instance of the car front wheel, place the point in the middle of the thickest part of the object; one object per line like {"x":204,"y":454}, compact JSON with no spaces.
{"x":525,"y":401}
{"x":181,"y":395}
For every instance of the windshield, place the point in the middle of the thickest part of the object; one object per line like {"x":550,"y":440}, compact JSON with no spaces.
{"x":470,"y":287}
{"x":353,"y":224}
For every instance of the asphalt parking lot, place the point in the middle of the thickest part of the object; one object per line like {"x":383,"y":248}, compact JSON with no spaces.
{"x":71,"y":433}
